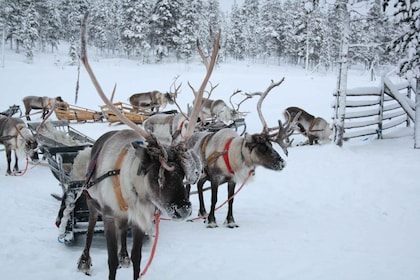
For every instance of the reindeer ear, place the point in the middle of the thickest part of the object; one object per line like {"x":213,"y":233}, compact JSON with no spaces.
{"x":139,"y":146}
{"x":248,"y":137}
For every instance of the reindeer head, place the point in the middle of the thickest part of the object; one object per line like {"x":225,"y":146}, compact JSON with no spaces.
{"x":262,"y":151}
{"x":164,"y":174}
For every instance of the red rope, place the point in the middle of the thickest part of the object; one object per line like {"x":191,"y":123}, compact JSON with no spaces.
{"x":229,"y":199}
{"x":152,"y":254}
{"x":24,"y":171}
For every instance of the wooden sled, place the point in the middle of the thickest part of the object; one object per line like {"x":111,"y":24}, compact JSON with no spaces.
{"x":127,"y":110}
{"x":79,"y":114}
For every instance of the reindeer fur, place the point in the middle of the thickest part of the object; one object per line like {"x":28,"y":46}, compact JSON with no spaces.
{"x":145,"y":187}
{"x":245,"y":154}
{"x":314,"y":128}
{"x":43,"y":103}
{"x":152,"y":100}
{"x":169,"y":129}
{"x":217,"y":110}
{"x":16,"y":137}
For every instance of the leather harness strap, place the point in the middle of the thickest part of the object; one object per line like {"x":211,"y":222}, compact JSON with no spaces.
{"x":116,"y":180}
{"x":215,"y":155}
{"x":226,"y":156}
{"x":115,"y":174}
{"x":314,"y":121}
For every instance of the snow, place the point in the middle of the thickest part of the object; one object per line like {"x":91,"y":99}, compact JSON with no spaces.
{"x":333,"y":213}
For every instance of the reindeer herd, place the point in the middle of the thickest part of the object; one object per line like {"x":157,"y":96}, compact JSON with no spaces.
{"x":136,"y":173}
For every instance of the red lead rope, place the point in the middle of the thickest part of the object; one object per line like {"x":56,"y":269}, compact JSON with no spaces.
{"x":157,"y":220}
{"x":250,"y":173}
{"x":152,"y":254}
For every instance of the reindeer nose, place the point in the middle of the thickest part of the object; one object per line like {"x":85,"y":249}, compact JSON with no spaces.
{"x":281,"y":164}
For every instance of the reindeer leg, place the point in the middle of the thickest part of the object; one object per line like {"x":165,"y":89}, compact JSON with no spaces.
{"x":110,"y":231}
{"x":202,"y":211}
{"x":16,"y":167}
{"x":85,"y":262}
{"x":9,"y":160}
{"x":28,"y":118}
{"x":211,"y":219}
{"x":188,"y":189}
{"x":230,"y":221}
{"x":123,"y":255}
{"x":138,"y":236}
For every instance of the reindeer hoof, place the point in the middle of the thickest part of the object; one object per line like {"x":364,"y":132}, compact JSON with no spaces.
{"x":212,"y":225}
{"x":84,"y":265}
{"x":125,"y":261}
{"x":230,"y":223}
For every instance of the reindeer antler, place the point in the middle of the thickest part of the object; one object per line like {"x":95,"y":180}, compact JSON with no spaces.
{"x":84,"y":59}
{"x":284,"y":132}
{"x":199,"y":95}
{"x":175,"y":95}
{"x":262,"y":97}
{"x":281,"y":137}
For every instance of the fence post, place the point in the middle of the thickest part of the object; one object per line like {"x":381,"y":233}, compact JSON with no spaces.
{"x":381,"y":109}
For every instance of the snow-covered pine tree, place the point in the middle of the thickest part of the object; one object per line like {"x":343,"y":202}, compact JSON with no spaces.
{"x":235,"y":42}
{"x":135,"y":30}
{"x":294,"y":40}
{"x":272,"y":22}
{"x":29,"y":31}
{"x":407,"y":14}
{"x":251,"y":28}
{"x":72,"y":12}
{"x":164,"y":23}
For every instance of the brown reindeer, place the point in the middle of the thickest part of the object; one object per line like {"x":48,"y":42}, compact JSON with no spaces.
{"x":145,"y":177}
{"x":151,"y":100}
{"x":316,"y":129}
{"x":43,"y":103}
{"x":229,"y":158}
{"x":16,"y":137}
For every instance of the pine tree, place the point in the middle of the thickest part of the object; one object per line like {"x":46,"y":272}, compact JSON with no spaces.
{"x":272,"y":22}
{"x":250,"y":19}
{"x":408,"y":45}
{"x":135,"y":30}
{"x":29,"y":35}
{"x":72,"y":12}
{"x":235,"y":42}
{"x":164,"y":23}
{"x":294,"y":31}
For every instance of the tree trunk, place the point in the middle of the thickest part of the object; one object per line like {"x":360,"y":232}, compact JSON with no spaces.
{"x":342,"y":79}
{"x":417,"y":116}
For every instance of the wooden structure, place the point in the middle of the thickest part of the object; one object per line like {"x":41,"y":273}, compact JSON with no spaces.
{"x":79,"y":114}
{"x":372,"y":110}
{"x":127,"y":110}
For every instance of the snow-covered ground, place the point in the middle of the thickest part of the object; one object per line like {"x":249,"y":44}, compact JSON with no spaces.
{"x":349,"y":213}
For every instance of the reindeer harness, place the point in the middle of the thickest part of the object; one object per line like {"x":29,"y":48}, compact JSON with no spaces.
{"x":115,"y":174}
{"x":215,"y":155}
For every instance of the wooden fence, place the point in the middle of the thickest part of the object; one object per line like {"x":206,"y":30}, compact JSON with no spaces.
{"x":373,"y":110}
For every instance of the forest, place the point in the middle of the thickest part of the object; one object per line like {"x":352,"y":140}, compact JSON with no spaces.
{"x":304,"y":32}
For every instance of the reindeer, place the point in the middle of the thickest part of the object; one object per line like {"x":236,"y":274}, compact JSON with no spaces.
{"x":218,"y":110}
{"x":314,"y":128}
{"x":169,"y":129}
{"x":146,"y":177}
{"x":153,"y":100}
{"x":16,"y":137}
{"x":43,"y":103}
{"x":229,"y":158}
